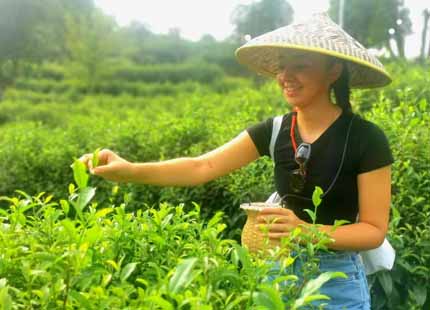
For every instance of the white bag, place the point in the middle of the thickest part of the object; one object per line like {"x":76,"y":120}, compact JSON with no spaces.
{"x":380,"y":258}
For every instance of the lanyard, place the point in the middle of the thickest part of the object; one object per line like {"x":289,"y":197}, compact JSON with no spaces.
{"x":293,"y":125}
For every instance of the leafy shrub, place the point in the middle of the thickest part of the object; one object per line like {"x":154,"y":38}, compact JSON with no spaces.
{"x":40,"y":141}
{"x":406,"y":125}
{"x":74,"y":253}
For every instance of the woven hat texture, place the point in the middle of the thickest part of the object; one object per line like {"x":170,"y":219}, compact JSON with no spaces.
{"x":265,"y":54}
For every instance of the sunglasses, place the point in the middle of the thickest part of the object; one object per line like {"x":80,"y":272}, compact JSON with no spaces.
{"x":298,"y":176}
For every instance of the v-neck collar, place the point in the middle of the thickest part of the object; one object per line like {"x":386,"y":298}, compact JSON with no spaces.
{"x":324,"y":133}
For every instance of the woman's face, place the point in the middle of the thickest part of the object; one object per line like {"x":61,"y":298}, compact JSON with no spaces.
{"x":306,"y":78}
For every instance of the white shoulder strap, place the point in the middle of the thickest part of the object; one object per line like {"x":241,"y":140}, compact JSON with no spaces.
{"x":277,"y":121}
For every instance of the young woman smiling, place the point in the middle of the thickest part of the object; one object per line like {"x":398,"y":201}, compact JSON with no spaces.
{"x":309,"y":61}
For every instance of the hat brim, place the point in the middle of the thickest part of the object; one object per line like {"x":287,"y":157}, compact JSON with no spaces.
{"x":265,"y":59}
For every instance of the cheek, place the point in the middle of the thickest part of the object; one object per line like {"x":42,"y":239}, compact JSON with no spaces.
{"x":314,"y":83}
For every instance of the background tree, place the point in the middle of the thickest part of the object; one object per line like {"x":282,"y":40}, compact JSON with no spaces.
{"x":426,"y":14}
{"x":133,"y":39}
{"x":370,"y":21}
{"x":20,"y":37}
{"x":33,"y":32}
{"x":260,"y":17}
{"x":92,"y":45}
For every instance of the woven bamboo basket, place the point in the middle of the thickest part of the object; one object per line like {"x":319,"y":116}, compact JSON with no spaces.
{"x":252,"y":237}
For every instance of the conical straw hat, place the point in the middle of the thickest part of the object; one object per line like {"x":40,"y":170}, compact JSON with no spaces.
{"x":265,"y":53}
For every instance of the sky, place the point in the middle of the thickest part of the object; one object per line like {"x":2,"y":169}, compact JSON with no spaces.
{"x":198,"y":17}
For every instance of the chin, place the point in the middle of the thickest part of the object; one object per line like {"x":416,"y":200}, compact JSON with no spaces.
{"x":295,"y":103}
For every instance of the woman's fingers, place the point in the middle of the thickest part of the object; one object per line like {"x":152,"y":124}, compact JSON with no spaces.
{"x":279,"y":211}
{"x":105,"y":157}
{"x":272,"y":219}
{"x":110,"y":166}
{"x":278,"y":235}
{"x":274,"y":227}
{"x":87,"y":160}
{"x":274,"y":214}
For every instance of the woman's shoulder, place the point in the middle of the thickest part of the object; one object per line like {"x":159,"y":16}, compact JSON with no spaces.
{"x":371,"y":145}
{"x":366,"y":127}
{"x":286,"y":118}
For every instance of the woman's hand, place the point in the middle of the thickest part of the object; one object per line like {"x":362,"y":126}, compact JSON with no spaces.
{"x":279,"y":222}
{"x":111,"y":166}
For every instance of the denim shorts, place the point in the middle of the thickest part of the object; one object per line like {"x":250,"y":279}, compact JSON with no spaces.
{"x":350,"y":293}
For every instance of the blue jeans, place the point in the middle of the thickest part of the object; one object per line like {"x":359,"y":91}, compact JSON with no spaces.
{"x":351,"y":293}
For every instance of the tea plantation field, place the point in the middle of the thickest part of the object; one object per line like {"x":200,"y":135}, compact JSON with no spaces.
{"x":69,"y":242}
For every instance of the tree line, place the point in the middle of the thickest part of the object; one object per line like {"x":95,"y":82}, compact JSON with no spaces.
{"x":84,"y":39}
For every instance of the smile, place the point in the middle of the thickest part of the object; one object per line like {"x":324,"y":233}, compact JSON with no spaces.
{"x":291,"y":90}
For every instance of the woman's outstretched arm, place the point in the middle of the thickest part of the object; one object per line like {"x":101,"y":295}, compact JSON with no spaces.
{"x":190,"y":171}
{"x":184,"y":171}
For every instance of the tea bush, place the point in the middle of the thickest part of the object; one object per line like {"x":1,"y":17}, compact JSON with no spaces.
{"x":407,"y":286}
{"x":40,"y":140}
{"x":76,"y":254}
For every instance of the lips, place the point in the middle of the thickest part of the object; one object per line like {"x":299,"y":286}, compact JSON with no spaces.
{"x":291,"y":89}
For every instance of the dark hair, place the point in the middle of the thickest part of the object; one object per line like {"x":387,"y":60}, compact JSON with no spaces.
{"x":341,"y":87}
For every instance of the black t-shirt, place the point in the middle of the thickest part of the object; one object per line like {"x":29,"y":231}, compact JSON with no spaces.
{"x":367,"y":149}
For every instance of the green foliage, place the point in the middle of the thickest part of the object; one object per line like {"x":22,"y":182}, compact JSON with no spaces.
{"x":43,"y":128}
{"x":106,"y":258}
{"x":169,"y":72}
{"x":91,"y":44}
{"x":369,"y":21}
{"x":260,"y":17}
{"x":406,"y":126}
{"x":410,"y":84}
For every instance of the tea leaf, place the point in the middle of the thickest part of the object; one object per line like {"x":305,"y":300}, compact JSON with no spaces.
{"x":84,"y":197}
{"x":314,"y":285}
{"x":113,"y":264}
{"x":65,"y":206}
{"x":48,"y":199}
{"x":127,"y":271}
{"x":311,"y":214}
{"x":312,"y":298}
{"x":5,"y":299}
{"x":95,"y":160}
{"x":386,"y":282}
{"x":290,"y":277}
{"x":338,"y":223}
{"x":93,"y":234}
{"x":237,"y":301}
{"x":79,"y":174}
{"x":81,"y":300}
{"x":159,"y":301}
{"x":241,"y":254}
{"x":106,"y":279}
{"x":183,"y":275}
{"x":316,"y":196}
{"x":268,"y":298}
{"x":103,"y":212}
{"x":69,"y":226}
{"x":71,"y":188}
{"x":419,"y":294}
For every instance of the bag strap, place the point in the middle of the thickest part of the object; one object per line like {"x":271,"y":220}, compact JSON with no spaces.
{"x":277,"y":121}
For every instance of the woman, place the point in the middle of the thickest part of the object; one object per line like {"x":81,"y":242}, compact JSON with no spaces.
{"x":300,"y":57}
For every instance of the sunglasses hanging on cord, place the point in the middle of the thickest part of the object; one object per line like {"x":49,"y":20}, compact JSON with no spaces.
{"x":302,"y":156}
